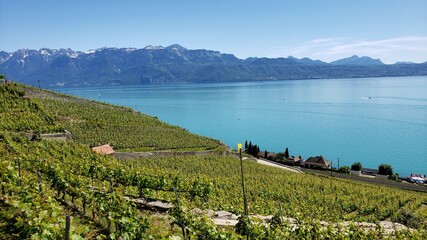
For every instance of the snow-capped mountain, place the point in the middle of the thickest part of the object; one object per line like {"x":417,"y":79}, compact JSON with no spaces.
{"x":177,"y":64}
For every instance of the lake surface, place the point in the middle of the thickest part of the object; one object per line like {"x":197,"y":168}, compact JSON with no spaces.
{"x":371,"y":120}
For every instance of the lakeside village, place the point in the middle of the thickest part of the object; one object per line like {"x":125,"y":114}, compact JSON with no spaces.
{"x":384,"y":171}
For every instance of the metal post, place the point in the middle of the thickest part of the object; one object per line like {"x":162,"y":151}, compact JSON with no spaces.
{"x":245,"y":202}
{"x":243,"y":183}
{"x":338,"y":163}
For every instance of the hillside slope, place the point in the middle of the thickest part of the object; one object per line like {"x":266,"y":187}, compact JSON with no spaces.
{"x":95,"y":123}
{"x":43,"y":181}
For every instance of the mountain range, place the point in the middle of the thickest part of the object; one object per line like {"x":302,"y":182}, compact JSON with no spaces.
{"x":176,"y":64}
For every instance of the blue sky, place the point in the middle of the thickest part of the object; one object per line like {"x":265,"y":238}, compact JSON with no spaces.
{"x":327,"y":30}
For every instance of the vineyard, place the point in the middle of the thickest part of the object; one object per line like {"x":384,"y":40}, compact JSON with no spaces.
{"x":44,"y":181}
{"x":97,"y":124}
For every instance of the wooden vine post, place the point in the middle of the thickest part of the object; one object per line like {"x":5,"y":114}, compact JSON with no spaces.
{"x":67,"y":228}
{"x":184,"y":233}
{"x":39,"y":180}
{"x":19,"y":171}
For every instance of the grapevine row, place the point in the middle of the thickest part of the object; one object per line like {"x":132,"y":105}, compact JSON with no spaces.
{"x":29,"y":208}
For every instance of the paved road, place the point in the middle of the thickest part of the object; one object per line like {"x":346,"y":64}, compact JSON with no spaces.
{"x":401,"y":185}
{"x":278,"y":165}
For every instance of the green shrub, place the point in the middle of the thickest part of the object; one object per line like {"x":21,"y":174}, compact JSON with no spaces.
{"x":385,"y":169}
{"x":357,"y":166}
{"x":393,"y":177}
{"x":344,"y":169}
{"x":408,"y":218}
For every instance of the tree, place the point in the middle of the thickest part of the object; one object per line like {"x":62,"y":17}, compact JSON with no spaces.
{"x":2,"y":76}
{"x":286,"y":153}
{"x":279,"y":157}
{"x":265,"y":154}
{"x":246,"y":144}
{"x":385,"y":169}
{"x":252,"y":149}
{"x":357,"y":166}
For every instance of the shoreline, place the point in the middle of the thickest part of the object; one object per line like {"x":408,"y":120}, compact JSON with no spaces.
{"x":166,"y":115}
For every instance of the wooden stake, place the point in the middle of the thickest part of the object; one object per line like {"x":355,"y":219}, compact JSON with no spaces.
{"x":67,"y":228}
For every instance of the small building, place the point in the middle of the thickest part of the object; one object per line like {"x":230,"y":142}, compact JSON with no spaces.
{"x":369,"y":171}
{"x":103,"y":149}
{"x":270,"y":155}
{"x":317,"y":162}
{"x":417,"y":178}
{"x":296,"y":161}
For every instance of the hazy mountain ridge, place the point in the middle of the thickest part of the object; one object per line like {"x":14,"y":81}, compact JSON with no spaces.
{"x":356,"y":60}
{"x":176,"y":64}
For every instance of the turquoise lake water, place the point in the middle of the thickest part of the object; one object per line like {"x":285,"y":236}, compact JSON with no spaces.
{"x":371,"y":120}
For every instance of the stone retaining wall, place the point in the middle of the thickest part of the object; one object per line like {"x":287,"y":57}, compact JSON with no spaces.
{"x":57,"y":136}
{"x":52,"y":136}
{"x":131,"y":155}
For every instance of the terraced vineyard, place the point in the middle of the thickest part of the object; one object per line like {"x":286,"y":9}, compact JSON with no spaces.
{"x":44,"y":181}
{"x":97,"y":123}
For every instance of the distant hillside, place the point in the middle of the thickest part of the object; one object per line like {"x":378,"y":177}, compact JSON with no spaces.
{"x":356,"y":60}
{"x":176,"y":64}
